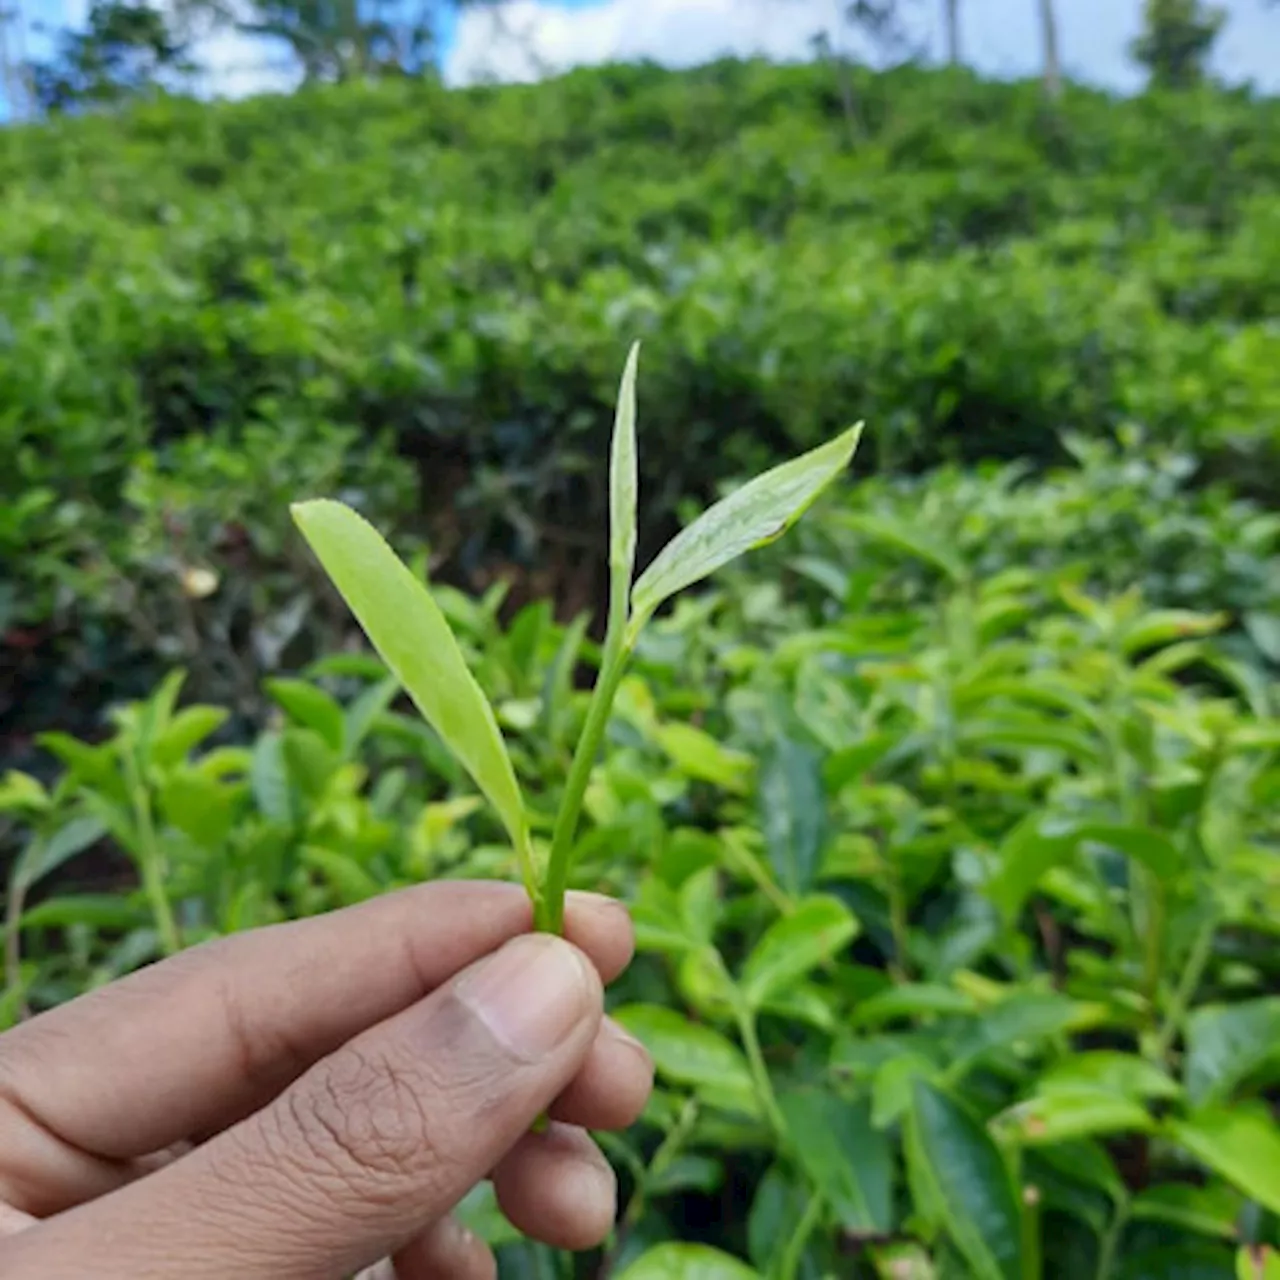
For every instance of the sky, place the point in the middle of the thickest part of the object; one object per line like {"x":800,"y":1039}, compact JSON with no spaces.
{"x":999,"y":37}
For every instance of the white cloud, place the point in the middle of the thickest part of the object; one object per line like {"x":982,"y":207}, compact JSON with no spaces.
{"x":531,"y":36}
{"x":999,"y":37}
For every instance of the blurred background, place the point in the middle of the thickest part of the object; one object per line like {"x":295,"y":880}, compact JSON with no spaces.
{"x":1004,"y":707}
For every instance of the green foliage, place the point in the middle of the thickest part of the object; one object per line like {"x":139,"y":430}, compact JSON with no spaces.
{"x":955,"y":891}
{"x":412,"y":299}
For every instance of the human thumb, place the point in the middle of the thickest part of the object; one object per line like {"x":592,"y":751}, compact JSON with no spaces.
{"x":363,"y":1151}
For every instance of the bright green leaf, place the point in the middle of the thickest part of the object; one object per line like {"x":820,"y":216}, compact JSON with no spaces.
{"x":190,"y":727}
{"x":698,"y":755}
{"x":1258,"y":1262}
{"x":1065,"y":1113}
{"x":814,"y":931}
{"x":671,"y":1261}
{"x":1242,"y":1143}
{"x":757,"y":513}
{"x":1121,"y":1073}
{"x":19,"y":791}
{"x":411,"y":635}
{"x":1164,"y":625}
{"x":1032,"y":848}
{"x":685,"y":1052}
{"x":99,"y":910}
{"x":911,"y":1000}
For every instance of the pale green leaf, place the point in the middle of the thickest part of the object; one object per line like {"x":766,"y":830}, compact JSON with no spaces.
{"x":407,"y":628}
{"x":762,"y":510}
{"x":671,"y":1261}
{"x":623,"y":482}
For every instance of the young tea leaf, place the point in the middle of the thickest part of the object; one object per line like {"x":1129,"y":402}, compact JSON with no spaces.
{"x":623,"y":484}
{"x":762,"y":510}
{"x":407,"y":628}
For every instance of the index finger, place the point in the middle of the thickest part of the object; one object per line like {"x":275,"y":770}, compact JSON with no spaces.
{"x":203,"y":1039}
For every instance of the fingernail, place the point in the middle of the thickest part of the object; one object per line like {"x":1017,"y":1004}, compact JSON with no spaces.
{"x":530,"y":995}
{"x":587,"y":898}
{"x":623,"y":1036}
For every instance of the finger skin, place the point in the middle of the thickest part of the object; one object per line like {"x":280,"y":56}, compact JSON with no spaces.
{"x":200,"y":1041}
{"x":444,"y":1251}
{"x":557,"y":1187}
{"x":362,"y":1153}
{"x":613,"y":1086}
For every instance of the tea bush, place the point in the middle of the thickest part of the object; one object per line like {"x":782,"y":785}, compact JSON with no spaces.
{"x":954,"y":879}
{"x":423,"y":292}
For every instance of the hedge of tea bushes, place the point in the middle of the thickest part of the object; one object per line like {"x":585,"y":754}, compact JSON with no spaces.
{"x":420,"y":298}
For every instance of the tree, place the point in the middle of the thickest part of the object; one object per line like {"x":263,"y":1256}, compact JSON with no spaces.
{"x":880,"y":23}
{"x":1176,"y":39}
{"x":126,"y":50}
{"x":952,"y":11}
{"x":1049,"y":37}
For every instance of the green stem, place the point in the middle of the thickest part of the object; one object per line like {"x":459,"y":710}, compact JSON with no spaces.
{"x":667,"y":1151}
{"x":549,"y":910}
{"x":1111,"y":1241}
{"x":1188,"y":984}
{"x":789,"y":1264}
{"x":759,"y":1071}
{"x":149,"y":861}
{"x":900,"y":968}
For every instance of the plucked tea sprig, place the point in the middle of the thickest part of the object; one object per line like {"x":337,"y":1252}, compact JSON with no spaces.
{"x":410,"y":633}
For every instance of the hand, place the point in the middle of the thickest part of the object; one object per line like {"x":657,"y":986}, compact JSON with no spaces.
{"x":313,"y":1098}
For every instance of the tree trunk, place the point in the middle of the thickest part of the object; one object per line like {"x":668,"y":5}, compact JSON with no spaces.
{"x":1052,"y":69}
{"x":953,"y":32}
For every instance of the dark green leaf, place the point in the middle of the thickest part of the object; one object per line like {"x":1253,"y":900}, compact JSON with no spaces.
{"x":793,"y":813}
{"x":1228,"y":1044}
{"x":848,"y":1160}
{"x":43,"y":857}
{"x":966,"y":1183}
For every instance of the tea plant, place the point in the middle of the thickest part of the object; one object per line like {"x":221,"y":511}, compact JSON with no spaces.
{"x":413,"y":637}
